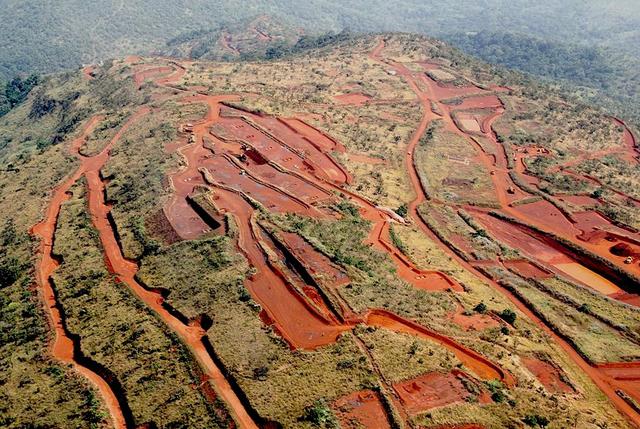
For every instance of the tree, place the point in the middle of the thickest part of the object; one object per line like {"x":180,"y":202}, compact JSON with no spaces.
{"x":508,"y":316}
{"x":402,"y":210}
{"x":480,"y":308}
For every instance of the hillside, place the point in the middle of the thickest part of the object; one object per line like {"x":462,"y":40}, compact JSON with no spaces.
{"x":592,"y":73}
{"x":42,"y":36}
{"x":380,"y":232}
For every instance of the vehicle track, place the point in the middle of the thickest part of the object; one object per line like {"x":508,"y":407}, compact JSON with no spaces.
{"x":607,"y":384}
{"x":300,"y":323}
{"x":63,"y":347}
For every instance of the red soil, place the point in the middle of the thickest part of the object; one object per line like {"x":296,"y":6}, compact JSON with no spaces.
{"x":478,"y":364}
{"x":280,"y":144}
{"x":309,"y":143}
{"x":607,"y":384}
{"x":548,"y":215}
{"x":63,"y":347}
{"x":548,"y":375}
{"x":432,"y":390}
{"x":473,"y":322}
{"x":445,"y":92}
{"x":318,"y":138}
{"x":274,"y":147}
{"x":543,"y":214}
{"x":361,"y":409}
{"x":317,"y":264}
{"x":190,"y":334}
{"x":629,"y":139}
{"x":125,"y":271}
{"x":527,"y":270}
{"x":579,"y":200}
{"x":479,"y":102}
{"x":546,"y":253}
{"x":88,"y":72}
{"x":422,"y":279}
{"x":518,"y":238}
{"x":626,"y":376}
{"x":141,"y":76}
{"x":292,"y":316}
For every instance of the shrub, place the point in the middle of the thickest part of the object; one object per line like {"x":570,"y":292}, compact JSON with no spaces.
{"x":508,"y":316}
{"x":535,"y":420}
{"x":480,"y":308}
{"x":320,"y":414}
{"x":402,"y":210}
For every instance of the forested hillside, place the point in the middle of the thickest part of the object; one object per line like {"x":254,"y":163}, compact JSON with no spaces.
{"x":594,"y":73}
{"x":48,"y":36}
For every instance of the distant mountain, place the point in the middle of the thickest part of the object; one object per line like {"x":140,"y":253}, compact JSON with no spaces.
{"x":39,"y":36}
{"x":597,"y":74}
{"x":246,"y":38}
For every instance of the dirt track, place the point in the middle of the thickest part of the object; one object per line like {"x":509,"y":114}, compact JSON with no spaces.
{"x":246,"y":152}
{"x":243,"y":155}
{"x":605,"y":382}
{"x":63,"y":347}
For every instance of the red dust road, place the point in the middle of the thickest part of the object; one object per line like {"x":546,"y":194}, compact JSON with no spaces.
{"x":62,"y":347}
{"x":607,"y":384}
{"x":289,"y":311}
{"x":125,"y":271}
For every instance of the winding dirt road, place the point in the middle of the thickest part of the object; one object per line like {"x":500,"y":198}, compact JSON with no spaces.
{"x":233,"y":159}
{"x":125,"y":270}
{"x":608,"y":384}
{"x":63,"y":347}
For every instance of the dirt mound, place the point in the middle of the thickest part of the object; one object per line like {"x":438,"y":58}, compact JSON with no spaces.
{"x":622,"y":249}
{"x":361,"y":409}
{"x":433,"y":390}
{"x":553,"y":379}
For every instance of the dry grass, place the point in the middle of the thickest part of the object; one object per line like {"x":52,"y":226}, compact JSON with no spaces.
{"x":154,"y":369}
{"x":468,"y":182}
{"x":402,"y":356}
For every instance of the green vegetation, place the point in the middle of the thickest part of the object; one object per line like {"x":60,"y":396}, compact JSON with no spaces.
{"x":480,"y":308}
{"x":153,"y":369}
{"x":468,"y":182}
{"x":204,"y":279}
{"x":508,"y":316}
{"x":594,"y":338}
{"x":402,"y":356}
{"x":34,"y":390}
{"x":593,"y":73}
{"x":15,"y":91}
{"x":257,"y":364}
{"x":320,"y":415}
{"x":535,"y":420}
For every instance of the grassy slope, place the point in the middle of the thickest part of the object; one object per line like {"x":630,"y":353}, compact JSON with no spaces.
{"x":156,"y":372}
{"x":298,"y":378}
{"x":34,"y":389}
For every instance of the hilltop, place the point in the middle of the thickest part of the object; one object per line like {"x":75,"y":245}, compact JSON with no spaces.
{"x":378,"y":232}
